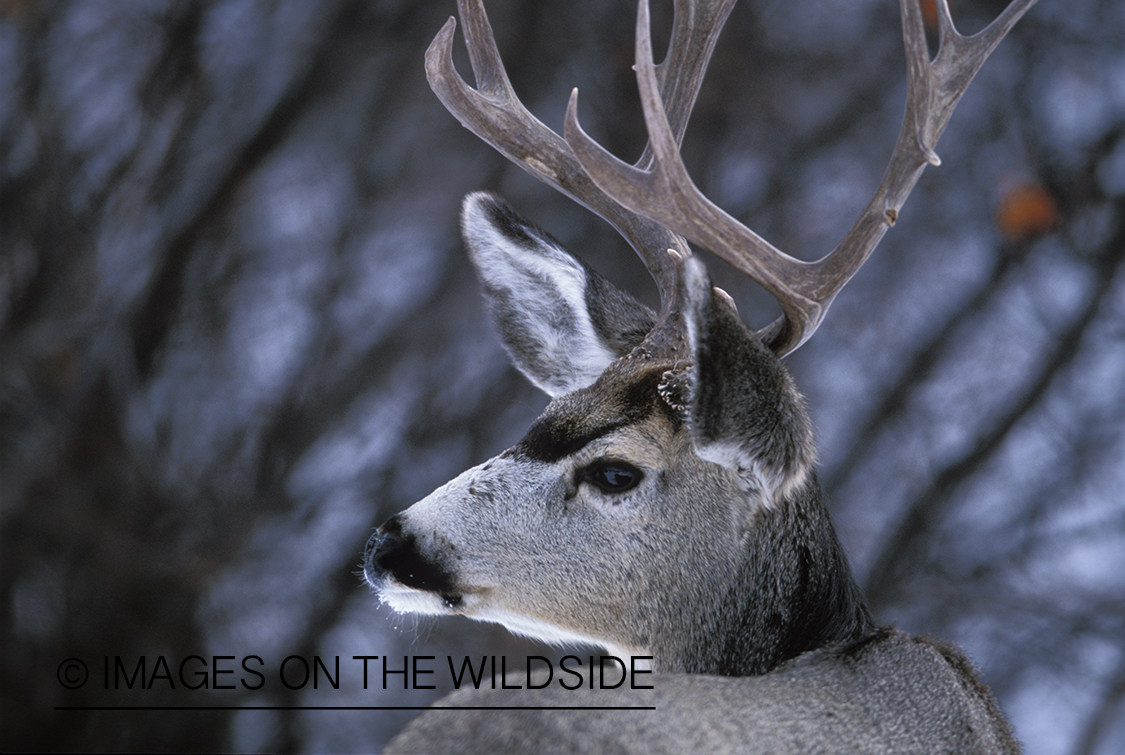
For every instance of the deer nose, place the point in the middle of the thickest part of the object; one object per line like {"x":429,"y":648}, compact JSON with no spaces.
{"x":386,"y":541}
{"x":392,"y":553}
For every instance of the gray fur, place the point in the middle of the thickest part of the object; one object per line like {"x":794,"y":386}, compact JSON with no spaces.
{"x":746,"y":412}
{"x":891,"y":694}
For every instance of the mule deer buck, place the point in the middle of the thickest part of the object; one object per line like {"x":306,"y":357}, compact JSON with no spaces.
{"x":665,"y":503}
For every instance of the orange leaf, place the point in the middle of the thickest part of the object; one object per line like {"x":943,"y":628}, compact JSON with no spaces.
{"x":929,"y":14}
{"x":1026,"y":209}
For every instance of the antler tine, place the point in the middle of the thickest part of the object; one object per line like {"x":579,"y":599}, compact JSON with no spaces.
{"x":804,"y":290}
{"x":695,"y":30}
{"x":665,"y":191}
{"x":934,"y":87}
{"x":494,"y":113}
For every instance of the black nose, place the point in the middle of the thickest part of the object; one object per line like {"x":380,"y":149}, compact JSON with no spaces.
{"x":386,"y":540}
{"x":394,"y":554}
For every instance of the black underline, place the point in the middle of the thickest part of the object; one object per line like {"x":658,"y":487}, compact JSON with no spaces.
{"x":354,"y":707}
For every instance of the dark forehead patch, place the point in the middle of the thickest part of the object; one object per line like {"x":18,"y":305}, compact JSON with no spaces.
{"x":619,"y":399}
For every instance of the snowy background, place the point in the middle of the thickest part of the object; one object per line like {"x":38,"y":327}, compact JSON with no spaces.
{"x":238,"y":331}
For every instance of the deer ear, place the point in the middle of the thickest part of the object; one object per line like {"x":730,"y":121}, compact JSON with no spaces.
{"x":560,"y":322}
{"x":743,"y":409}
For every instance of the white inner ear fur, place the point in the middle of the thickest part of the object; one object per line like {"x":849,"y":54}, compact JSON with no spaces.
{"x":523,"y":272}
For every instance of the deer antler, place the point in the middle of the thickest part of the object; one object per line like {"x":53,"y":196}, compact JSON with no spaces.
{"x":665,"y":192}
{"x":654,"y":203}
{"x":493,"y":112}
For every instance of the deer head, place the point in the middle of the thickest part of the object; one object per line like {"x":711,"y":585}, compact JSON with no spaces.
{"x":665,"y":503}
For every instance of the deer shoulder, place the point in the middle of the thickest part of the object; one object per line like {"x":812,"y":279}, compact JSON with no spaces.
{"x":888,"y":693}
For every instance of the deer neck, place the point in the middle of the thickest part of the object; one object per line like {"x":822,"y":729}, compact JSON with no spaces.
{"x":793,"y":592}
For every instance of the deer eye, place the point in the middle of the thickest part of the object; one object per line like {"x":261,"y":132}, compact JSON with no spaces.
{"x":613,"y":476}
